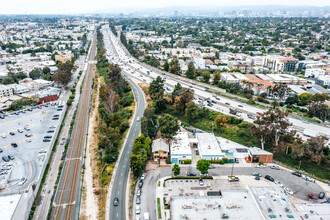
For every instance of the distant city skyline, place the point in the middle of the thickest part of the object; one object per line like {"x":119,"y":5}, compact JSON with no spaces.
{"x":104,"y":6}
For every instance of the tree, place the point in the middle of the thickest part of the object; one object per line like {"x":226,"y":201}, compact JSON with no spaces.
{"x":35,"y":73}
{"x":206,"y":76}
{"x":314,"y":149}
{"x":156,"y":87}
{"x":216,"y":78}
{"x":191,"y":72}
{"x":319,"y":109}
{"x":8,"y":80}
{"x":176,"y":170}
{"x":184,"y":95}
{"x":304,"y":98}
{"x":139,"y":157}
{"x":166,"y":66}
{"x":220,"y":121}
{"x":175,"y":66}
{"x":64,"y":74}
{"x":168,"y":126}
{"x":175,"y":92}
{"x":46,"y":70}
{"x":203,"y":166}
{"x":261,"y":129}
{"x":192,"y":111}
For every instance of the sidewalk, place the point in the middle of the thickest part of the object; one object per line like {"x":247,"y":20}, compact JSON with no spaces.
{"x":160,"y":195}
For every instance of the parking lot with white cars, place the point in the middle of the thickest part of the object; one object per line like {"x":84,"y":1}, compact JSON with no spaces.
{"x":26,"y":137}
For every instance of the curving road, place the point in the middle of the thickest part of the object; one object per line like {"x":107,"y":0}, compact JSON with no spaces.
{"x":121,"y":175}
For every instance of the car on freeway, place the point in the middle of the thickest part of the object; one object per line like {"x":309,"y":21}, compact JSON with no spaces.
{"x":310,"y":196}
{"x":3,"y":136}
{"x":13,"y":144}
{"x":143,"y":176}
{"x":116,"y":202}
{"x":241,"y":106}
{"x":140,"y":183}
{"x":201,"y":182}
{"x":278,"y":183}
{"x":1,"y":150}
{"x":227,"y":103}
{"x":138,"y":200}
{"x":138,"y":119}
{"x":191,"y":174}
{"x":11,"y":133}
{"x":251,"y":116}
{"x":256,"y":174}
{"x":296,"y":174}
{"x":28,"y":135}
{"x":22,"y":181}
{"x":259,"y":113}
{"x":267,"y":177}
{"x":274,"y":167}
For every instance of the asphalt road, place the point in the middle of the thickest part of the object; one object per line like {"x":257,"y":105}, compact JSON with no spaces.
{"x":67,"y":198}
{"x":300,"y":187}
{"x":121,"y":176}
{"x":120,"y":181}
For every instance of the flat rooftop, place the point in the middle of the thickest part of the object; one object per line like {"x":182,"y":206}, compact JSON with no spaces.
{"x":208,"y":145}
{"x":258,"y":151}
{"x":180,"y":144}
{"x":8,"y":205}
{"x":236,"y":204}
{"x":273,"y":202}
{"x":314,"y":211}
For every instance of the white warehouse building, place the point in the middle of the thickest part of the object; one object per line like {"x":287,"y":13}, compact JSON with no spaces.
{"x":208,"y":147}
{"x":180,"y":148}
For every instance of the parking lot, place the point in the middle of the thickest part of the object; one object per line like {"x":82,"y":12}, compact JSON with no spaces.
{"x":24,"y":146}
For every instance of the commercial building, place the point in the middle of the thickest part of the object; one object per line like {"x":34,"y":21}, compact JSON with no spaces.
{"x":314,"y":73}
{"x":232,"y":77}
{"x":180,"y":148}
{"x":63,"y":58}
{"x":278,"y":63}
{"x":273,"y":203}
{"x":5,"y":91}
{"x":18,"y":89}
{"x":258,"y":155}
{"x":209,"y":147}
{"x":160,"y":149}
{"x":286,"y":79}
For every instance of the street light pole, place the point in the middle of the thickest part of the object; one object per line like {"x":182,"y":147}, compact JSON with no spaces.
{"x":102,"y":189}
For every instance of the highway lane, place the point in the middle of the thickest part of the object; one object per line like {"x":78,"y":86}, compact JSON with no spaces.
{"x":121,"y":175}
{"x":124,"y":58}
{"x":67,"y":198}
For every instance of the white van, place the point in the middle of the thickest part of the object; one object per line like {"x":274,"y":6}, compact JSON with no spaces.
{"x":137,"y":210}
{"x":146,"y":216}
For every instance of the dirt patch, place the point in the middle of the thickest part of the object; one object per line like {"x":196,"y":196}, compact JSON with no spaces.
{"x":90,"y":205}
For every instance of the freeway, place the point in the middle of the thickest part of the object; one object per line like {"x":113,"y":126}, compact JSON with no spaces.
{"x":121,"y":175}
{"x":146,"y":73}
{"x":67,"y":196}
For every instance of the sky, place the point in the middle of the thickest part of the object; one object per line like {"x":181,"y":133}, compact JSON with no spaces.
{"x":94,"y":6}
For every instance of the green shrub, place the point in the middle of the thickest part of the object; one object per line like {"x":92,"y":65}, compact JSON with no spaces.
{"x":69,"y":102}
{"x":188,"y":161}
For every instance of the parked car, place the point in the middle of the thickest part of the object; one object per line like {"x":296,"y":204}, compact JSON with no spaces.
{"x":321,"y":195}
{"x":196,"y":151}
{"x":5,"y":158}
{"x":211,"y":166}
{"x":140,"y":184}
{"x":138,"y":193}
{"x":278,"y":183}
{"x":1,"y":150}
{"x":310,"y":179}
{"x":3,"y":136}
{"x":116,"y":202}
{"x":11,"y":157}
{"x":261,"y":166}
{"x":288,"y":191}
{"x":275,"y":167}
{"x":191,"y":174}
{"x":257,"y":178}
{"x":236,"y":160}
{"x":256,"y":174}
{"x":201,"y":182}
{"x":310,"y":196}
{"x":269,"y":178}
{"x":19,"y":130}
{"x":138,"y":200}
{"x":143,"y":176}
{"x":296,"y":174}
{"x":137,"y":210}
{"x":233,"y":179}
{"x":27,"y":135}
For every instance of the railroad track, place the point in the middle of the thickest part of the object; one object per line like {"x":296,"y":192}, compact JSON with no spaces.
{"x":67,"y":198}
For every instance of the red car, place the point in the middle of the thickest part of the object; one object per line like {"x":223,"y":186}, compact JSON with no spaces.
{"x":259,"y":113}
{"x":310,"y":196}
